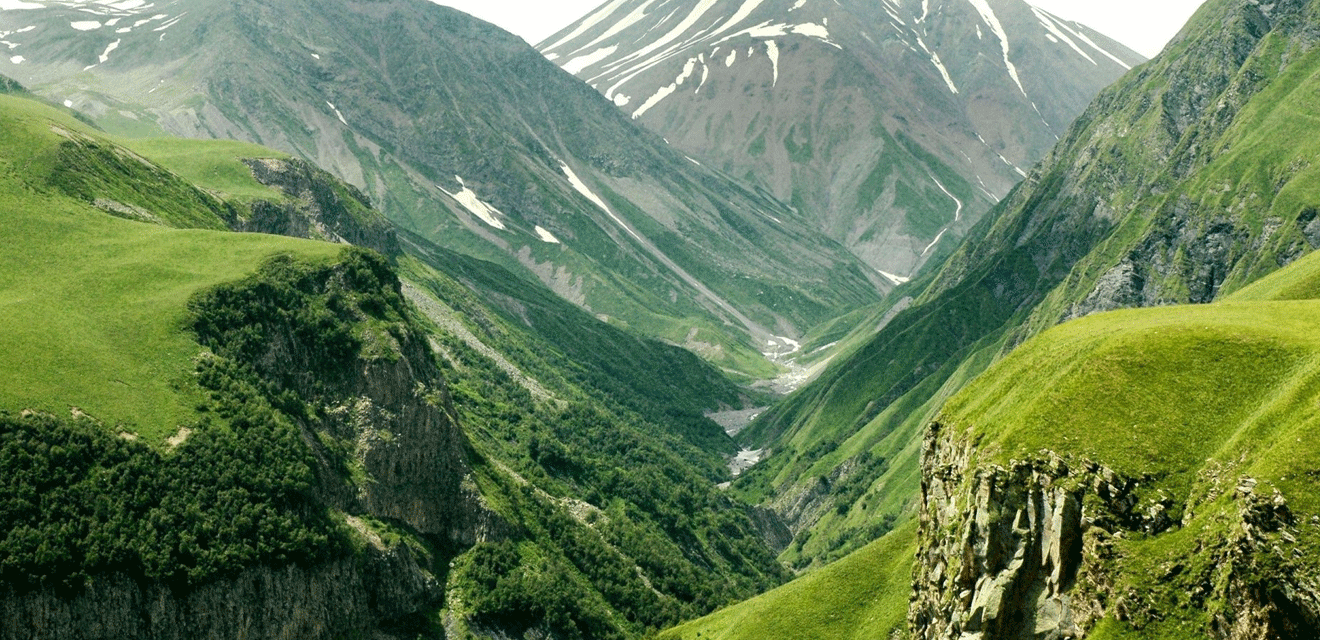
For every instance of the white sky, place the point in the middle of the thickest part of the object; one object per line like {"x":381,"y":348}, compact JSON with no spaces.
{"x":1144,"y":25}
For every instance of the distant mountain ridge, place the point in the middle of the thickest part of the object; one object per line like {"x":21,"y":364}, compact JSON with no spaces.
{"x":894,"y":125}
{"x":460,"y":132}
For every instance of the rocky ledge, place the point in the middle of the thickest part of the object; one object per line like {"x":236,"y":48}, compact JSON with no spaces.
{"x":1035,"y":549}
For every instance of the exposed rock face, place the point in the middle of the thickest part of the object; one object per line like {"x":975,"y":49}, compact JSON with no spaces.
{"x":1030,"y":551}
{"x":325,"y":601}
{"x":322,"y":207}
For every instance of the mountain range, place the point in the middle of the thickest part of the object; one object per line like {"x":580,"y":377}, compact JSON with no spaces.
{"x":1088,"y":410}
{"x":462,"y":133}
{"x":893,"y":126}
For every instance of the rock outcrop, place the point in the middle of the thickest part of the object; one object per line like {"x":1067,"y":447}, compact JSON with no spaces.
{"x":330,"y":600}
{"x":1031,"y":550}
{"x":320,"y":206}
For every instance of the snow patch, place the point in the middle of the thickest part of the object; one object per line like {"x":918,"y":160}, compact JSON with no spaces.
{"x":341,"y":119}
{"x":68,"y":104}
{"x":85,"y":25}
{"x":748,"y":6}
{"x":935,"y":241}
{"x":988,"y":15}
{"x":667,"y":91}
{"x":692,"y":161}
{"x":105,"y":55}
{"x":588,"y":22}
{"x":772,"y":50}
{"x":468,"y":198}
{"x":316,"y":56}
{"x":1055,"y":34}
{"x":171,"y":22}
{"x":546,"y":236}
{"x":621,"y":100}
{"x":767,"y":30}
{"x":957,"y":216}
{"x":897,"y":280}
{"x":733,"y":57}
{"x":1082,"y":36}
{"x":586,"y":192}
{"x":944,"y":72}
{"x":17,"y":60}
{"x":576,"y":65}
{"x":798,"y":5}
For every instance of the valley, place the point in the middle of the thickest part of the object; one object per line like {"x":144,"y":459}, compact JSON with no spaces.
{"x":699,"y":319}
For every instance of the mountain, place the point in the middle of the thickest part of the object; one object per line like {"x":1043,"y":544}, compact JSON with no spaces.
{"x":463,"y":134}
{"x":894,"y":126}
{"x":1183,"y":182}
{"x":239,"y":433}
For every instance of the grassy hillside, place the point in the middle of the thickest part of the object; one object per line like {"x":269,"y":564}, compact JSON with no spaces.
{"x":1194,"y":401}
{"x":1152,"y":198}
{"x":862,"y":596}
{"x":93,"y":305}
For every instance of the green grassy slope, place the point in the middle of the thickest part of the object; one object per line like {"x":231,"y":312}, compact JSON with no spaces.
{"x":862,"y":596}
{"x":212,"y":164}
{"x":1190,"y":399}
{"x":94,"y":304}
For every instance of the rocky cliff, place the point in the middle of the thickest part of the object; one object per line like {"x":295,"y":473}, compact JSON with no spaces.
{"x":319,"y":206}
{"x":1036,"y":549}
{"x":379,"y":585}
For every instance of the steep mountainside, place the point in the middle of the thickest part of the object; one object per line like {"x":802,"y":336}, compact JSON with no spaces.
{"x":1189,"y":178}
{"x":303,"y":444}
{"x":464,"y":134}
{"x":893,"y":125}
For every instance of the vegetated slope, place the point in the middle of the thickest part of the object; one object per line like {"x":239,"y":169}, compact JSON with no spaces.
{"x":1159,"y":465}
{"x":464,"y":134}
{"x":894,"y":125}
{"x":95,"y":304}
{"x":1186,"y":180}
{"x":587,"y":506}
{"x":142,"y":467}
{"x":864,"y":595}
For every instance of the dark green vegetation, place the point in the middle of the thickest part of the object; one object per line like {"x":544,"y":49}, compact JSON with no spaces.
{"x":613,"y":464}
{"x":1152,"y":197}
{"x":81,"y":502}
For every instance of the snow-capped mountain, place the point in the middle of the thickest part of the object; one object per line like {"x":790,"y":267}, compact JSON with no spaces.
{"x":894,"y":123}
{"x":464,"y":134}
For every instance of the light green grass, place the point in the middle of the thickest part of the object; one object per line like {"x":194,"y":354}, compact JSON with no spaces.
{"x":1188,"y":399}
{"x":215,"y":165}
{"x":92,"y":307}
{"x":862,"y":596}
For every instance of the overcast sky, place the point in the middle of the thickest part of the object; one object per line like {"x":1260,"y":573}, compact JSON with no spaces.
{"x":1144,"y":25}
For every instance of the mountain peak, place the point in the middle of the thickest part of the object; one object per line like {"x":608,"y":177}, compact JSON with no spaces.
{"x":894,"y":125}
